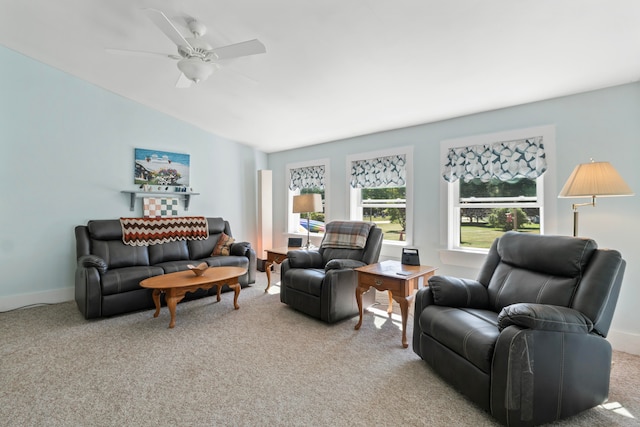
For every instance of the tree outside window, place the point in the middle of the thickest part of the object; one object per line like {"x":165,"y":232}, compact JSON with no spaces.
{"x":515,"y":210}
{"x":387,"y":208}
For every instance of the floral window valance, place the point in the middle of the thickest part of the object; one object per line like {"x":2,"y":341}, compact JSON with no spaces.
{"x":380,"y":172}
{"x":505,"y":161}
{"x":307,"y":177}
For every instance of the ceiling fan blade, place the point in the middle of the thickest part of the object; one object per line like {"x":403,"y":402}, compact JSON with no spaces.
{"x":250,"y":47}
{"x":183,"y":82}
{"x":142,"y":53}
{"x":167,"y":27}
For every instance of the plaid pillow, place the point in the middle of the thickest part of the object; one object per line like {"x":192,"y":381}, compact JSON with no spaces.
{"x":346,"y":234}
{"x":223,"y":247}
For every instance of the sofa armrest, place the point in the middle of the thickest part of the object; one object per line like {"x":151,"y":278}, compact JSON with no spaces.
{"x":239,"y":248}
{"x":455,"y":292}
{"x":88,"y":292}
{"x":305,"y":259}
{"x":339,"y":264}
{"x":544,"y":317}
{"x":87,"y":261}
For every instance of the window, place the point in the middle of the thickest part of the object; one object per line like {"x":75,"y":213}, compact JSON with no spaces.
{"x":495,"y":186}
{"x":380,"y":190}
{"x":307,"y":178}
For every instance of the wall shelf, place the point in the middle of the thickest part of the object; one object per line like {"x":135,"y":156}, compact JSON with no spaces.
{"x":166,"y":194}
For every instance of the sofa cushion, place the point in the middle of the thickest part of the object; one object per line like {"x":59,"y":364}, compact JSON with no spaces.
{"x":117,"y":255}
{"x":105,"y":229}
{"x":202,"y":248}
{"x":127,"y":278}
{"x":173,"y":266}
{"x":169,"y":251}
{"x":223,"y":246}
{"x":471,"y":333}
{"x":226,"y":261}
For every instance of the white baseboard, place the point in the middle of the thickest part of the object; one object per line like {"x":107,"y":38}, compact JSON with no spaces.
{"x":46,"y":297}
{"x":624,"y":341}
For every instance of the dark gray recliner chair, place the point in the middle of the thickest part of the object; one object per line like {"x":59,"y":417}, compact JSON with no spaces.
{"x":526,"y":340}
{"x":322,"y":282}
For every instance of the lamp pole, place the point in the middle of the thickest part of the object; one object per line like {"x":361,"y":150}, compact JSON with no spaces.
{"x":575,"y":207}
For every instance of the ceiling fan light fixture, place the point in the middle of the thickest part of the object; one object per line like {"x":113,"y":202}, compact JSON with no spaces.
{"x":194,"y":69}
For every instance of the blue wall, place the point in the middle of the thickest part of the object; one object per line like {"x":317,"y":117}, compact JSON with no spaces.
{"x":67,"y":153}
{"x":603,"y":125}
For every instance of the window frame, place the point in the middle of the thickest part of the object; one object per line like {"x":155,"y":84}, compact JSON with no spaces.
{"x":293,"y":219}
{"x":449,"y":192}
{"x":355,"y":194}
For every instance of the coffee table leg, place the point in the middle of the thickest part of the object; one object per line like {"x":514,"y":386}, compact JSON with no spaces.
{"x":236,"y":293}
{"x":156,"y":301}
{"x":218,"y":292}
{"x":390,"y":309}
{"x":173,"y":298}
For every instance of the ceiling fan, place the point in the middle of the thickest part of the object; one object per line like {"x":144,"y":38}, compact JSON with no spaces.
{"x":196,"y":58}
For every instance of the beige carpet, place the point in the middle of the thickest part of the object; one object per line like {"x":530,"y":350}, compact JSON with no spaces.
{"x":262,"y":365}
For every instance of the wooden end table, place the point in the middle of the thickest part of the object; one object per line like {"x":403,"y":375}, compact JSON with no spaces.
{"x":398,"y":280}
{"x":176,"y":285}
{"x":275,"y":256}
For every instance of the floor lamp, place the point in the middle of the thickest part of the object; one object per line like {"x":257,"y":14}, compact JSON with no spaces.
{"x":591,"y":180}
{"x":307,"y":203}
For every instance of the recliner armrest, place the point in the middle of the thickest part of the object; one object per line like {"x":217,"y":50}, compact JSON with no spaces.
{"x":339,"y":264}
{"x":544,"y":317}
{"x":93,"y":261}
{"x":455,"y":292}
{"x":305,"y":259}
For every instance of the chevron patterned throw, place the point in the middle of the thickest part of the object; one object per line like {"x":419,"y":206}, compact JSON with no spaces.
{"x":151,"y":231}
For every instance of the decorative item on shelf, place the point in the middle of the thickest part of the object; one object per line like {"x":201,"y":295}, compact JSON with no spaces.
{"x":199,"y":269}
{"x":410,"y":256}
{"x":591,"y":180}
{"x":154,"y":207}
{"x":307,"y":203}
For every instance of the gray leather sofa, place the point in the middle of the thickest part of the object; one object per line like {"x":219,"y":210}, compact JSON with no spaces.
{"x":108,"y":272}
{"x":526,"y":340}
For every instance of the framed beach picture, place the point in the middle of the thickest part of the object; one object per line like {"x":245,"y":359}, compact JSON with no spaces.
{"x":154,"y":167}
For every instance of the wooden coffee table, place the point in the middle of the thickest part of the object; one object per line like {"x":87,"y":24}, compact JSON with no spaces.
{"x":176,"y":285}
{"x":398,"y":279}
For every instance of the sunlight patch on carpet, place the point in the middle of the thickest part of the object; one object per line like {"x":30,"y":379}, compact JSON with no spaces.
{"x":618,"y":409}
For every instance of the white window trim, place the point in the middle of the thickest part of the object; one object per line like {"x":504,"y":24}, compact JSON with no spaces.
{"x":290,"y":218}
{"x":474,"y":258}
{"x":351,"y":192}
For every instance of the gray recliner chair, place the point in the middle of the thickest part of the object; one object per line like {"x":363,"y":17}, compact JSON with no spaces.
{"x":526,"y":340}
{"x":322,"y":282}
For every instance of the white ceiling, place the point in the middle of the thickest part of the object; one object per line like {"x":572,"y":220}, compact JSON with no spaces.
{"x":338,"y":68}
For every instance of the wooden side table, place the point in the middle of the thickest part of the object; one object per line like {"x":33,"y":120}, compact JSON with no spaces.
{"x":398,"y":279}
{"x":275,"y":256}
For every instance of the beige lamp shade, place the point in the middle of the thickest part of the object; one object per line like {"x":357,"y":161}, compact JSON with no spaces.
{"x":595,"y":179}
{"x":305,"y":203}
